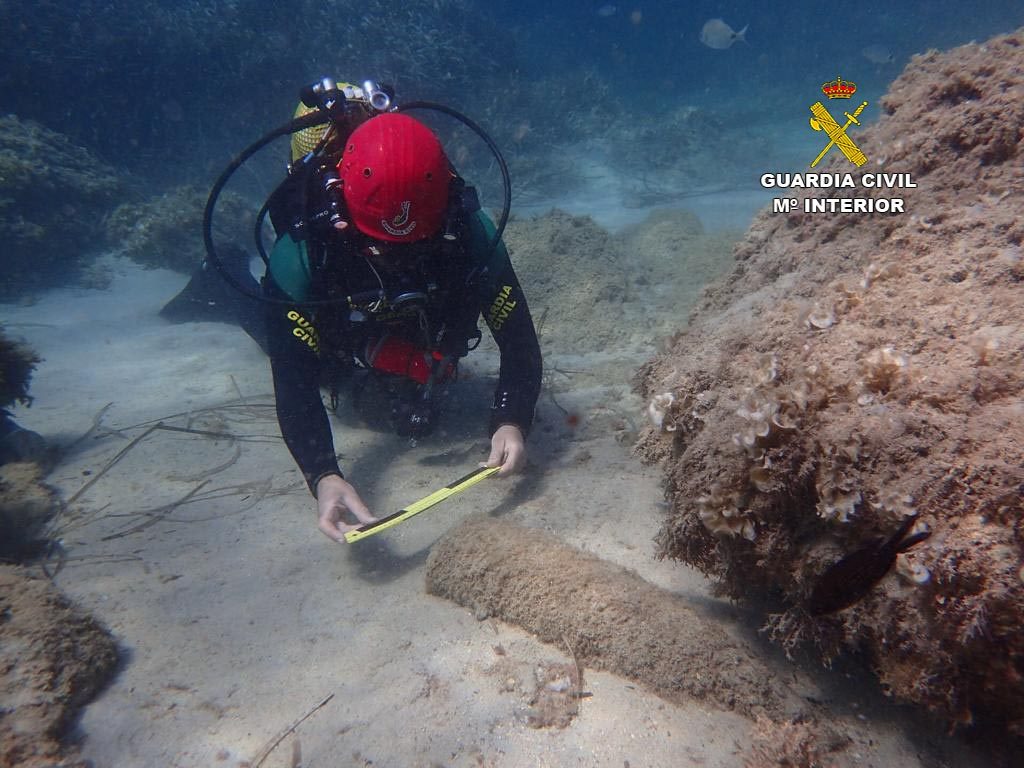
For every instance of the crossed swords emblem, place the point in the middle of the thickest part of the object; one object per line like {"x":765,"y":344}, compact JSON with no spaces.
{"x":823,"y":121}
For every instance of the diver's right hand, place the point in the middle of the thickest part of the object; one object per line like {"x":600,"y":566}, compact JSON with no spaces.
{"x":334,"y":497}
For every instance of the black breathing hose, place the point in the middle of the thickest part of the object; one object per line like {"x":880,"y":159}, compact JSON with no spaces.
{"x":299,"y":123}
{"x":505,"y":179}
{"x":308,"y":121}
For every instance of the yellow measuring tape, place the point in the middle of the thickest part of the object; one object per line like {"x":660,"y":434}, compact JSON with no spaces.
{"x":426,"y":502}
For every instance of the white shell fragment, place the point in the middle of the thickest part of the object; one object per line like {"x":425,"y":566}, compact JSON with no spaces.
{"x":821,"y":318}
{"x":657,"y":409}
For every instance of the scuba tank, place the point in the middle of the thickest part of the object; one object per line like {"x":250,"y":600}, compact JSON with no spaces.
{"x":327,"y":114}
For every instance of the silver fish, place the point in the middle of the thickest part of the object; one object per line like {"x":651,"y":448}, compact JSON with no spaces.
{"x":878,"y":54}
{"x":719,"y":35}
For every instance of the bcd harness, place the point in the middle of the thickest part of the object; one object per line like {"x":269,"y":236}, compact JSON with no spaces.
{"x":308,"y":217}
{"x":415,"y":324}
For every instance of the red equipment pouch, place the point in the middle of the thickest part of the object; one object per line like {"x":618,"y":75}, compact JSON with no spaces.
{"x":400,"y":357}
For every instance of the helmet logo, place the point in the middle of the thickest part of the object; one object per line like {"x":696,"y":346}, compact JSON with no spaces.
{"x":400,"y":226}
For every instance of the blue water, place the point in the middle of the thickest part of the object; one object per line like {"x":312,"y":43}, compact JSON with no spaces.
{"x":583,"y":98}
{"x":786,"y":42}
{"x":173,"y":89}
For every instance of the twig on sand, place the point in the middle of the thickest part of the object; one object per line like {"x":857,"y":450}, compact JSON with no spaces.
{"x":200,"y":432}
{"x":60,"y":524}
{"x":250,"y":494}
{"x":152,"y":518}
{"x":540,"y":322}
{"x":63,"y":560}
{"x":238,"y":391}
{"x":146,"y":433}
{"x":271,"y":745}
{"x":234,"y":410}
{"x":97,"y":422}
{"x":558,"y":405}
{"x":577,"y":692}
{"x":110,"y":464}
{"x":213,"y":470}
{"x":567,"y":372}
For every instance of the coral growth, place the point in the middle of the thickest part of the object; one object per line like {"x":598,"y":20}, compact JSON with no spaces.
{"x":53,"y":195}
{"x":166,"y":231}
{"x":720,"y":511}
{"x":53,"y":657}
{"x":882,"y":369}
{"x":17,"y":361}
{"x":53,"y":660}
{"x":792,"y":744}
{"x":858,"y":370}
{"x":668,"y":412}
{"x":636,"y":279}
{"x":233,"y":63}
{"x":26,"y":506}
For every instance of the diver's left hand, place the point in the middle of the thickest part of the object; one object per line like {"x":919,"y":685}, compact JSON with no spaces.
{"x":508,"y":450}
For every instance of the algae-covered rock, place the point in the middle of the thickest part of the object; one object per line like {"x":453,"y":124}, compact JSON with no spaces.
{"x":26,"y":506}
{"x":171,"y":88}
{"x":855,"y":374}
{"x":53,"y":196}
{"x":17,"y":361}
{"x":54,"y":658}
{"x":167,"y":230}
{"x":589,"y":289}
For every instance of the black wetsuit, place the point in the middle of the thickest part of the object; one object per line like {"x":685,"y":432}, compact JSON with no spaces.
{"x":434,"y":302}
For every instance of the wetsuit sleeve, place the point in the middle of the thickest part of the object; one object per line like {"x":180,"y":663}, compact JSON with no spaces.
{"x":503,"y":306}
{"x":292,"y":342}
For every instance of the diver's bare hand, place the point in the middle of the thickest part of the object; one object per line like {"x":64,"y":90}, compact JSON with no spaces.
{"x":508,"y":450}
{"x":334,"y":497}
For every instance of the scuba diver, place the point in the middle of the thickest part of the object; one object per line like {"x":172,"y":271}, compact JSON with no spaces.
{"x":382,"y":266}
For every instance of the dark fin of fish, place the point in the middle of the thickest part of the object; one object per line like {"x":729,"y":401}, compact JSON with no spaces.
{"x":917,"y":538}
{"x":896,"y":543}
{"x":851,"y":578}
{"x":209,"y":298}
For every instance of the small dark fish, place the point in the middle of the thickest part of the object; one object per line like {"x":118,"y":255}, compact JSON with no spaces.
{"x":852,"y":577}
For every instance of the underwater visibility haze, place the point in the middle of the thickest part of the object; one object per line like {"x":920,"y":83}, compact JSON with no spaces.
{"x":771,"y":505}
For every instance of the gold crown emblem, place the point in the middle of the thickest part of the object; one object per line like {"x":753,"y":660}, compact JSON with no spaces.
{"x":839,"y":88}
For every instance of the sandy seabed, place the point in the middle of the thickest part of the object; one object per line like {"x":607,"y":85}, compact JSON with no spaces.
{"x":236,"y":618}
